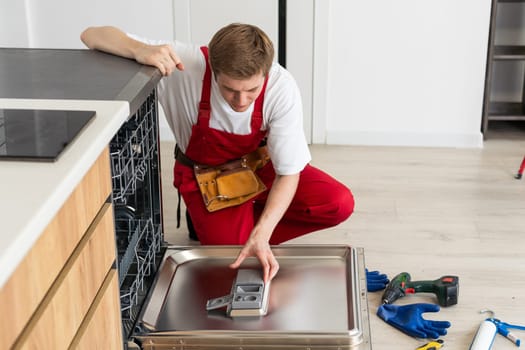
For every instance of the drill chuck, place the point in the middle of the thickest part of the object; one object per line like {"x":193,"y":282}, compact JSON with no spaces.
{"x":396,"y":288}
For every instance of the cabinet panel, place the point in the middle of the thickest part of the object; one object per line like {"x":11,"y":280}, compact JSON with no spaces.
{"x":32,"y":279}
{"x":58,"y":318}
{"x":504,"y":98}
{"x":103,"y":327}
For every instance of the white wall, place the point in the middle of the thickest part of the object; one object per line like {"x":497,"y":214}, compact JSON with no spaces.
{"x":58,"y":23}
{"x":378,"y":73}
{"x":197,"y":20}
{"x":300,"y":55}
{"x":406,"y":72}
{"x":13,"y":24}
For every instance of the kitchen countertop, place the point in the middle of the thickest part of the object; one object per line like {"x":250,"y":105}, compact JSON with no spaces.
{"x":33,"y":192}
{"x":74,"y":74}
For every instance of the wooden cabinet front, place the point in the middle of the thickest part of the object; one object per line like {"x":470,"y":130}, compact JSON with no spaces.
{"x":47,"y":298}
{"x":102,"y":328}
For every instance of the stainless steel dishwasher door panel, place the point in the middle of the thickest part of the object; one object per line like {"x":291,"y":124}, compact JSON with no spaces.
{"x":318,"y":299}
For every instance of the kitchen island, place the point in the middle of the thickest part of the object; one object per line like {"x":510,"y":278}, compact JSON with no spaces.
{"x":33,"y":191}
{"x":59,"y":284}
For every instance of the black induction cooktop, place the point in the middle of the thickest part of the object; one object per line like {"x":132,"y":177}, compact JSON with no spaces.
{"x":37,"y":134}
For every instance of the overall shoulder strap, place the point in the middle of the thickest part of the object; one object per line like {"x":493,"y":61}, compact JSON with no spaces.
{"x":257,"y":115}
{"x":206,"y":82}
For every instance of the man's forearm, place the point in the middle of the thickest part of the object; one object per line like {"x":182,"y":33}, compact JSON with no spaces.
{"x":279,"y":199}
{"x":111,"y":40}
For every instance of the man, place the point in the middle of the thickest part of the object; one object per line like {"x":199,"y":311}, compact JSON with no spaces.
{"x":222,"y":102}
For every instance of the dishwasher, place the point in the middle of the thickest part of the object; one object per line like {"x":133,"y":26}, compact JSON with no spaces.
{"x":318,"y":300}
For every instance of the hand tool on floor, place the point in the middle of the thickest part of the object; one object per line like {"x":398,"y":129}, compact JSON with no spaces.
{"x":433,"y":345}
{"x":445,"y":288}
{"x":487,"y":330}
{"x":248,"y":297}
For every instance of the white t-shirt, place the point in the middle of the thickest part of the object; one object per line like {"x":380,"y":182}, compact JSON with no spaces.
{"x":180,"y":93}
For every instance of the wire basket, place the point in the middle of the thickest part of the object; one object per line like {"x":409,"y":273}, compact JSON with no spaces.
{"x":132,"y":148}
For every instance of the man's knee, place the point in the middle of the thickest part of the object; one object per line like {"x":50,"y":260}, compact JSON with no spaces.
{"x":334,"y":207}
{"x":343,"y":204}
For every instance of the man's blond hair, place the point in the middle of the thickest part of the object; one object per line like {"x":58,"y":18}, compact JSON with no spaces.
{"x":241,"y":51}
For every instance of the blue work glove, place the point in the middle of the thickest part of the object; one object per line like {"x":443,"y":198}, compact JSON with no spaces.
{"x":376,"y":281}
{"x":408,"y":319}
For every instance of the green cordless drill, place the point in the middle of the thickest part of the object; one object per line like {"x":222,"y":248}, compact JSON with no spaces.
{"x":445,"y":288}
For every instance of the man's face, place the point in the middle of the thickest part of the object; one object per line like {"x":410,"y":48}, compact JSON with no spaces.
{"x":240,"y":93}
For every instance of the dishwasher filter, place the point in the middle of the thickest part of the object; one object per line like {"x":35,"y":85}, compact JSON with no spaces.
{"x":249,"y":296}
{"x":317,"y":300}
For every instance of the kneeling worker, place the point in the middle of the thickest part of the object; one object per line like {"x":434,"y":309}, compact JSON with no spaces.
{"x":223,"y":103}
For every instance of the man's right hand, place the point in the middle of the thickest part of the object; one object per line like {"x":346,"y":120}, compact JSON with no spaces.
{"x":262,"y":251}
{"x":161,"y":56}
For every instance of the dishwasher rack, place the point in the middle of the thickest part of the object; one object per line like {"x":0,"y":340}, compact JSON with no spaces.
{"x":135,"y":167}
{"x":132,"y":150}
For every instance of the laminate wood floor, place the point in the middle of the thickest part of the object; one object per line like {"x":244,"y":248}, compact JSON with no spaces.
{"x":429,"y":212}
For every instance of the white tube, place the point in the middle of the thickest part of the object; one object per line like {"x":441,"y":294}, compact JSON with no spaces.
{"x":484,"y":337}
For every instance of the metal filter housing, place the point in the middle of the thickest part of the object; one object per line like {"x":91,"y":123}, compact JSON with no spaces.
{"x":248,"y":297}
{"x":318,"y":300}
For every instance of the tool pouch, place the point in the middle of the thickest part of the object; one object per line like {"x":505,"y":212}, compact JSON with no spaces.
{"x":231,"y":183}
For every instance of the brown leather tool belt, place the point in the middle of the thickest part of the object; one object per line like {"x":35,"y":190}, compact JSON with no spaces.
{"x":231,"y":183}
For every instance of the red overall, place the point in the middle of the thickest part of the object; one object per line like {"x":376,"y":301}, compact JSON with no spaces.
{"x":320,"y":201}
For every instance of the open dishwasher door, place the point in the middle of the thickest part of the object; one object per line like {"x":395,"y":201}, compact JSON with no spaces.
{"x":318,"y":300}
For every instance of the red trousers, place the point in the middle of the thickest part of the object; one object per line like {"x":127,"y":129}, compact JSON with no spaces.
{"x":320,"y":202}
